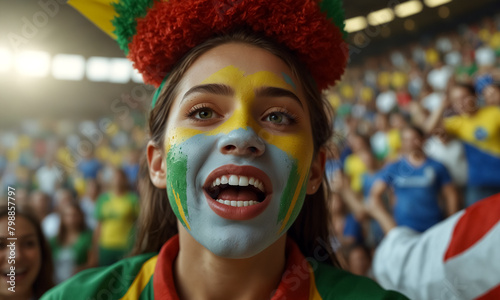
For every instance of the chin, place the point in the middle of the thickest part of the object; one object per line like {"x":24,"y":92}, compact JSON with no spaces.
{"x":236,"y":242}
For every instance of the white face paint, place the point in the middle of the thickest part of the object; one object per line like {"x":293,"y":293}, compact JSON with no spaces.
{"x":239,"y":148}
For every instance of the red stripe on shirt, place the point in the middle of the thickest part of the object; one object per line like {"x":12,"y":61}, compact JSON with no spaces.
{"x":163,"y":279}
{"x":493,"y":294}
{"x":296,"y":280}
{"x":477,"y":220}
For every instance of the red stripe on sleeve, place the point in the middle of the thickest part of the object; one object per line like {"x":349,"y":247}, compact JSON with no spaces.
{"x":477,"y":220}
{"x":493,"y":294}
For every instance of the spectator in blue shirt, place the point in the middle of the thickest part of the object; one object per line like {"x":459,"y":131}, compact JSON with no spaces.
{"x":417,"y":182}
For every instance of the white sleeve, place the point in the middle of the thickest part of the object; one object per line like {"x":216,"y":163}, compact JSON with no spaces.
{"x":412,"y":263}
{"x":455,"y":259}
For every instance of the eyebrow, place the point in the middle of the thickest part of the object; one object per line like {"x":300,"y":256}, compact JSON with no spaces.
{"x":277,"y":92}
{"x":216,"y":89}
{"x":225,"y":90}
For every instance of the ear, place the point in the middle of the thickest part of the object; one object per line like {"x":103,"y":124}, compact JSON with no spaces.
{"x":156,"y":165}
{"x":316,"y":172}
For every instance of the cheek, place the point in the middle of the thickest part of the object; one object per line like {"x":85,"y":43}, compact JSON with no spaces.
{"x":33,"y":255}
{"x":177,"y":183}
{"x":3,"y":256}
{"x":299,"y":155}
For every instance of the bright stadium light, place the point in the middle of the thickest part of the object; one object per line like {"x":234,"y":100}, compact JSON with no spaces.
{"x":434,"y":3}
{"x":98,"y":68}
{"x":68,"y":67}
{"x":408,"y":8}
{"x":355,"y":24}
{"x":33,"y":63}
{"x":5,"y":60}
{"x":120,"y":70}
{"x":380,"y":16}
{"x":137,"y":77}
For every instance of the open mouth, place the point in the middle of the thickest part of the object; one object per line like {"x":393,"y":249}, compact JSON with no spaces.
{"x":19,"y":273}
{"x":238,"y":192}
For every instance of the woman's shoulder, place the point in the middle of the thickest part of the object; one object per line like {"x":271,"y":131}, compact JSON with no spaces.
{"x":112,"y":282}
{"x":335,"y":283}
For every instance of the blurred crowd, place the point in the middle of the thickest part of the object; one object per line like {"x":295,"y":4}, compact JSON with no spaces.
{"x":417,"y":134}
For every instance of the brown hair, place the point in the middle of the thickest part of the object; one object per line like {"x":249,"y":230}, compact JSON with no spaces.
{"x":44,"y":279}
{"x":157,"y":222}
{"x":63,"y":232}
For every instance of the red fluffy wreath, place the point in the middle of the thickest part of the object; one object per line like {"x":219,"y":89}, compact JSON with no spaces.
{"x":171,"y":28}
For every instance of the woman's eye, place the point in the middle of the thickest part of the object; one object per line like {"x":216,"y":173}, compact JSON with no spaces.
{"x":30,"y":244}
{"x":204,"y":114}
{"x":276,"y":118}
{"x":201,"y":113}
{"x":280,"y":118}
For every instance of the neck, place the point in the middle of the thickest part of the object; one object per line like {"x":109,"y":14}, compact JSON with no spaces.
{"x":416,"y":158}
{"x":20,"y":295}
{"x":222,"y":278}
{"x":118,"y":192}
{"x":471,"y":112}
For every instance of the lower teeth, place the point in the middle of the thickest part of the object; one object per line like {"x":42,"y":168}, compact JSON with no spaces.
{"x":237,"y":203}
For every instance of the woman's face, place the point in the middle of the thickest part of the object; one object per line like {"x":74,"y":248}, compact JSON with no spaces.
{"x":238,"y":150}
{"x":491,"y":95}
{"x":118,"y":181}
{"x":410,"y":141}
{"x":462,"y":101}
{"x":26,"y":254}
{"x":70,"y":217}
{"x":92,"y":189}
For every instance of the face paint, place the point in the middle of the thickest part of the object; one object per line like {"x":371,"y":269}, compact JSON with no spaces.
{"x":195,"y":162}
{"x":289,"y":80}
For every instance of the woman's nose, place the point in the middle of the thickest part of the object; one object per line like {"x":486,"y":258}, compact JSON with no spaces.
{"x":242,"y":142}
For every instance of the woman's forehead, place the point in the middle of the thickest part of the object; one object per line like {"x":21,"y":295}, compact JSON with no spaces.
{"x":246,"y":58}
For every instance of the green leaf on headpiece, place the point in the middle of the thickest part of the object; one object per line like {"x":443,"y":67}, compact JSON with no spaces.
{"x":334,"y":11}
{"x":126,"y":22}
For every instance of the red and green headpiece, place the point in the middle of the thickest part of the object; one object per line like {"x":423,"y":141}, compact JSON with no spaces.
{"x":156,"y":34}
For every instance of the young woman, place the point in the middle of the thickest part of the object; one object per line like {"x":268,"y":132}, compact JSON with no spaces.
{"x":232,"y":192}
{"x":71,"y":247}
{"x":88,"y":202}
{"x":479,"y":130}
{"x":417,"y":182}
{"x":33,"y":261}
{"x":116,"y":212}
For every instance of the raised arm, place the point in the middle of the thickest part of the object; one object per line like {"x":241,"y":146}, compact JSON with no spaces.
{"x":377,"y":209}
{"x":436,"y":117}
{"x":352,"y":200}
{"x":451,"y":199}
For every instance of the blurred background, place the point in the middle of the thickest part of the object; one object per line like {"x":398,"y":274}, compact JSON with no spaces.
{"x":73,"y":113}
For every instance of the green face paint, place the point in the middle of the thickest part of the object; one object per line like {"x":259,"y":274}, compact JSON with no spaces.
{"x":177,"y":185}
{"x":289,"y":80}
{"x":200,"y":170}
{"x":287,"y":198}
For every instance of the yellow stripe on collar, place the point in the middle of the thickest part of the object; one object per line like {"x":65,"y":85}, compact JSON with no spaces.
{"x":313,"y":290}
{"x":141,"y":280}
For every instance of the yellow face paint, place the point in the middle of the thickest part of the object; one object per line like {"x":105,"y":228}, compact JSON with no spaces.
{"x":244,"y":87}
{"x":298,"y":144}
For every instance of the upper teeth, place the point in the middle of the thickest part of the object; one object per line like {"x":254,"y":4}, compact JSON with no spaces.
{"x":237,"y":180}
